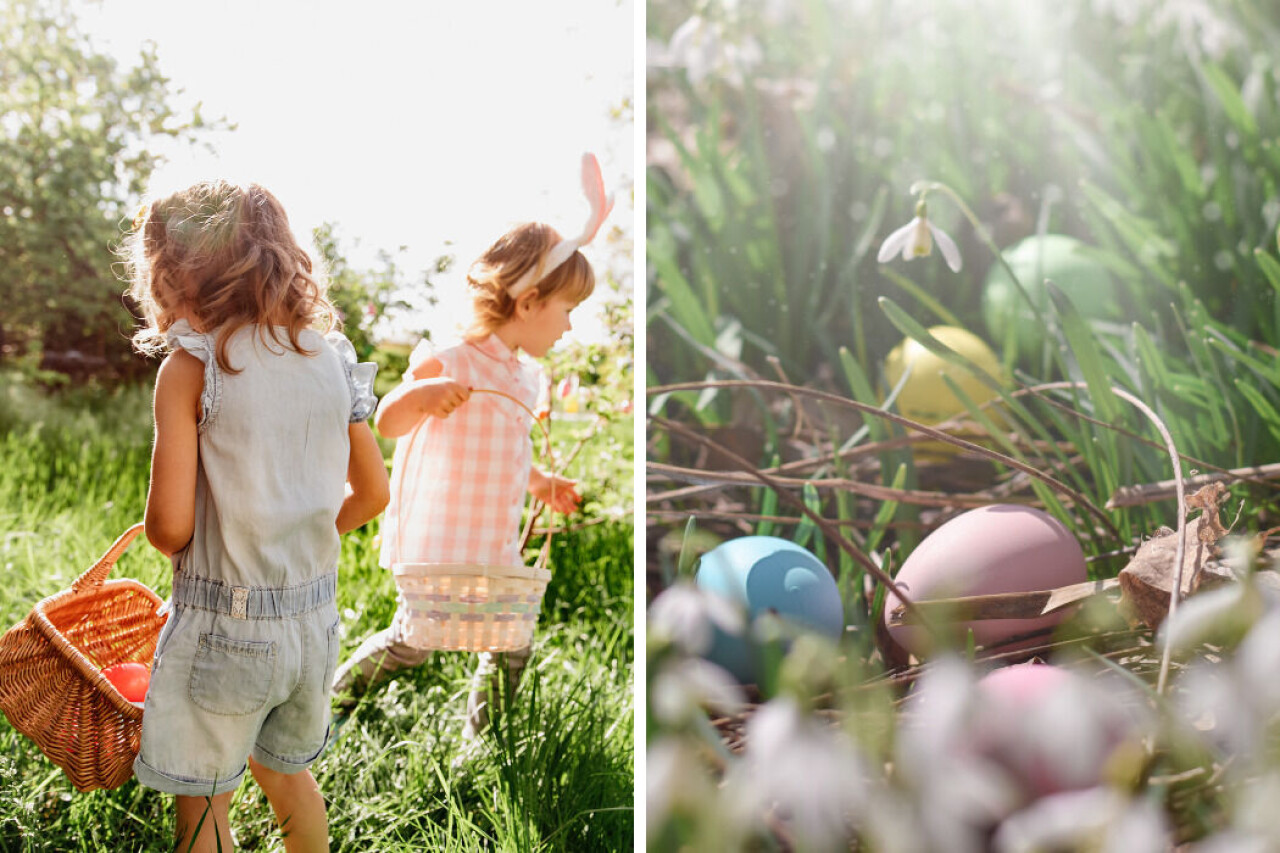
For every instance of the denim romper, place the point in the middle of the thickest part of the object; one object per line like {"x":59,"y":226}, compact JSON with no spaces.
{"x":244,"y":661}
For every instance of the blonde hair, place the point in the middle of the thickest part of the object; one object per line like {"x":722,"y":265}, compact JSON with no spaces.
{"x":502,"y":265}
{"x":225,"y":254}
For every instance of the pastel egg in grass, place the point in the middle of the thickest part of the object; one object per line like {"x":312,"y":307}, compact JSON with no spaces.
{"x":1051,"y":729}
{"x":1063,"y":260}
{"x":925,"y":397}
{"x":994,"y":549}
{"x":761,"y":575}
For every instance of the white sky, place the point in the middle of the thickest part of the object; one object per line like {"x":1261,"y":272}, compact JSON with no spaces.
{"x":404,"y":123}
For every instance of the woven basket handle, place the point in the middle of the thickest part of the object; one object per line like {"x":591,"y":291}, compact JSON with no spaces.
{"x":99,"y":571}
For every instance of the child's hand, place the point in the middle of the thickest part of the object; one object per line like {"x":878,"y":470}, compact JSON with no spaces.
{"x":557,"y":492}
{"x":438,"y":397}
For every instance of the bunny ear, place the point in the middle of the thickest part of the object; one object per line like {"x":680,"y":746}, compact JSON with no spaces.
{"x":593,"y":188}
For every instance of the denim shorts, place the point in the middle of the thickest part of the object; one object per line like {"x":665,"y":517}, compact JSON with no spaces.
{"x":238,"y":671}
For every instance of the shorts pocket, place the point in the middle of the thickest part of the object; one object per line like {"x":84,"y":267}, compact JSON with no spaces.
{"x":232,"y":676}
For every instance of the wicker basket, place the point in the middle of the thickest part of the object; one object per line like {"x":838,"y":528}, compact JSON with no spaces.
{"x":470,"y":607}
{"x":467,"y":607}
{"x":51,"y":685}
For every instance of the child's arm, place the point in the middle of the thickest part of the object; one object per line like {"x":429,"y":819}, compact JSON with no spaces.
{"x":423,"y":393}
{"x":367,"y":488}
{"x":171,"y":498}
{"x":566,"y":497}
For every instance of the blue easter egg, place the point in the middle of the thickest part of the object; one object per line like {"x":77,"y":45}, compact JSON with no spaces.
{"x":765,"y":574}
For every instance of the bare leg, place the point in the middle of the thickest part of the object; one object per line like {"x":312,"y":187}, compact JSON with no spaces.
{"x":379,"y":656}
{"x":486,"y":684}
{"x":299,"y":807}
{"x":210,"y":815}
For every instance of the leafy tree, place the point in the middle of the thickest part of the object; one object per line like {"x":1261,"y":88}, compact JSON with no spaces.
{"x":76,"y":150}
{"x":374,"y":303}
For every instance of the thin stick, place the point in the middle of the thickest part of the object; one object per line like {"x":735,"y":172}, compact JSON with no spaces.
{"x":1179,"y":491}
{"x":726,"y":515}
{"x":831,"y":532}
{"x":857,"y":487}
{"x":1149,"y":492}
{"x":1080,"y":499}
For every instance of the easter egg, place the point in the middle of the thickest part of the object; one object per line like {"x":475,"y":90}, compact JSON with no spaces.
{"x":765,"y":574}
{"x":994,"y":549}
{"x":925,"y":397}
{"x":131,"y":679}
{"x":1064,"y":261}
{"x":1050,"y":729}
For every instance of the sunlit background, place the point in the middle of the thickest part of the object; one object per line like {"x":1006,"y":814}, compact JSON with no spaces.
{"x":427,"y":127}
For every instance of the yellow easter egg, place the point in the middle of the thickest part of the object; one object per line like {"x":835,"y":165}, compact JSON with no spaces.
{"x":925,"y":397}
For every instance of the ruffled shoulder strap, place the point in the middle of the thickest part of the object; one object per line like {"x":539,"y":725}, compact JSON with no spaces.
{"x":360,"y":376}
{"x":182,"y":337}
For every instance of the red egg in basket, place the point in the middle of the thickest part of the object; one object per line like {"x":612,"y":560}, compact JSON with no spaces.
{"x":131,"y":679}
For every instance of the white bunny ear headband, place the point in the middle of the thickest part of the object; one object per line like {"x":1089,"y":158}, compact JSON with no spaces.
{"x":593,"y":188}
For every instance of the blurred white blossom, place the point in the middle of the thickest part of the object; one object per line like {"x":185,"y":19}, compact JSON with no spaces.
{"x":705,"y":49}
{"x":1232,"y":703}
{"x":687,"y":617}
{"x":1219,"y":615}
{"x":915,"y":240}
{"x":676,"y":781}
{"x":1098,"y":819}
{"x":956,"y":790}
{"x":683,"y":688}
{"x":808,"y":773}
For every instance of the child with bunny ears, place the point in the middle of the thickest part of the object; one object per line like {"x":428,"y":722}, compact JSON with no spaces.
{"x":458,"y":490}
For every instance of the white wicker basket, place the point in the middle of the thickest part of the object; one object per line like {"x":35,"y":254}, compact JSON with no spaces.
{"x":468,"y":607}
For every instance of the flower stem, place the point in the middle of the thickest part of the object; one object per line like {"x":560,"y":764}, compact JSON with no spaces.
{"x":926,"y":187}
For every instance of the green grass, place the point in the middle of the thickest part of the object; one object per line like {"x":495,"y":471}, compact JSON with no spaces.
{"x":555,"y":772}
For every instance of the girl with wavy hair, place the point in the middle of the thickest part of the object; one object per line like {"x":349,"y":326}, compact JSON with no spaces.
{"x":263,"y":457}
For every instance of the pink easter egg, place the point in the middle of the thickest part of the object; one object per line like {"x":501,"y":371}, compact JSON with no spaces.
{"x":1050,"y":729}
{"x":994,"y":549}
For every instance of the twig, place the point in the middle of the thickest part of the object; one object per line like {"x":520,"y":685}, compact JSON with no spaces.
{"x":867,"y":490}
{"x":1149,"y":492}
{"x":726,"y":515}
{"x":831,"y":532}
{"x":1179,"y":490}
{"x":1080,"y":499}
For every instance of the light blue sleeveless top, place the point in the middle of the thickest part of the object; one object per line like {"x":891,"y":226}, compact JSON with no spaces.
{"x":274,"y":452}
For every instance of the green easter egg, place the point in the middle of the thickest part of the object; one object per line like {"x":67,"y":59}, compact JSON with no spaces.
{"x":1064,"y":261}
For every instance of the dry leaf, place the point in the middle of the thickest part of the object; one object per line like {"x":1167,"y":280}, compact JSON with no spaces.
{"x":1147,"y":582}
{"x":1207,"y":499}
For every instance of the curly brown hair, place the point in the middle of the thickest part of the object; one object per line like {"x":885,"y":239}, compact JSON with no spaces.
{"x":503,"y":263}
{"x":225,"y":254}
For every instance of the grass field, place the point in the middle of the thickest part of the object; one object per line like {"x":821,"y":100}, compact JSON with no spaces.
{"x":555,"y":772}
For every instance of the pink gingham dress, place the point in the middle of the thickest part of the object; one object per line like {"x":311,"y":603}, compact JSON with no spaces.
{"x":458,"y":486}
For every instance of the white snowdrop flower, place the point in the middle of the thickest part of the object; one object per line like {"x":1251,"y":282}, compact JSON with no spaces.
{"x":809,"y":774}
{"x":1254,"y":810}
{"x":1210,"y":700}
{"x":675,"y":781}
{"x":683,"y":688}
{"x":916,"y":238}
{"x":1100,"y":819}
{"x":702,"y":48}
{"x":963,"y":789}
{"x":1232,"y":841}
{"x":1209,"y":616}
{"x":1258,"y":662}
{"x":687,"y":617}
